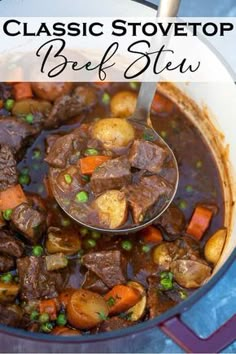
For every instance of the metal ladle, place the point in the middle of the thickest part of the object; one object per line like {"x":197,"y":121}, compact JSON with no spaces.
{"x":167,"y":8}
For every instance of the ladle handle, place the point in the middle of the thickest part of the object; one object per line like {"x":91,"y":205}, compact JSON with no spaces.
{"x":167,"y":8}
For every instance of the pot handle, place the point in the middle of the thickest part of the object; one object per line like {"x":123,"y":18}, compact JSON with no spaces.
{"x":186,"y":338}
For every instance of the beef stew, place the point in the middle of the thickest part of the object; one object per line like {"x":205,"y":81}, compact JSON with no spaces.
{"x":120,"y":280}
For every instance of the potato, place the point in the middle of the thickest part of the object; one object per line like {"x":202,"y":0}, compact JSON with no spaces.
{"x":137,"y":311}
{"x":214,"y":246}
{"x":51,"y":90}
{"x":65,"y":331}
{"x":30,"y":105}
{"x":123,"y":104}
{"x":190,"y":274}
{"x":86,"y":309}
{"x":65,"y":296}
{"x":8,"y":292}
{"x":112,"y":208}
{"x":56,"y":261}
{"x":114,"y":133}
{"x":64,"y":241}
{"x":161,"y":256}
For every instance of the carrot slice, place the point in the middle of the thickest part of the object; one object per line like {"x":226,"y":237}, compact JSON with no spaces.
{"x":161,"y":104}
{"x":123,"y":297}
{"x":151,"y":235}
{"x":12,"y":197}
{"x":50,"y":307}
{"x":199,"y":222}
{"x":22,"y":90}
{"x":90,"y":163}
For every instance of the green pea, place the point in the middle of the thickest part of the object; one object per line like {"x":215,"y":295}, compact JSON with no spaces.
{"x":24,"y":179}
{"x":95,"y":235}
{"x":189,"y":188}
{"x":82,"y":197}
{"x":106,"y":98}
{"x":61,"y":319}
{"x":183,"y":205}
{"x":127,"y":245}
{"x":37,"y":154}
{"x":199,"y":164}
{"x":90,"y":243}
{"x":9,"y":103}
{"x":7,"y":214}
{"x":134,"y":85}
{"x":37,"y":251}
{"x":68,"y":179}
{"x":167,"y":284}
{"x":29,"y":118}
{"x":146,"y":248}
{"x":6,"y":278}
{"x":91,"y":152}
{"x":166,"y":275}
{"x":84,"y":231}
{"x":46,"y":327}
{"x":34,"y":315}
{"x":65,"y":222}
{"x":166,"y":280}
{"x":163,"y":134}
{"x":44,"y":317}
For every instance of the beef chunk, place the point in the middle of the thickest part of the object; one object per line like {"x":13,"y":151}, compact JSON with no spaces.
{"x":50,"y":141}
{"x":157,"y":300}
{"x":145,"y":155}
{"x":8,"y":174}
{"x":68,"y":106}
{"x":35,"y":281}
{"x":142,"y":196}
{"x":29,"y":222}
{"x":173,"y":221}
{"x":93,"y":283}
{"x":15,"y":133}
{"x":113,"y":324}
{"x":10,"y":315}
{"x":6,"y":263}
{"x":110,"y":266}
{"x":10,"y":246}
{"x":113,"y":174}
{"x":5,"y":91}
{"x":60,"y":151}
{"x":67,"y":146}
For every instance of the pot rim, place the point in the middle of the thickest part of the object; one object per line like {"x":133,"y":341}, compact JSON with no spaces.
{"x":146,"y":325}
